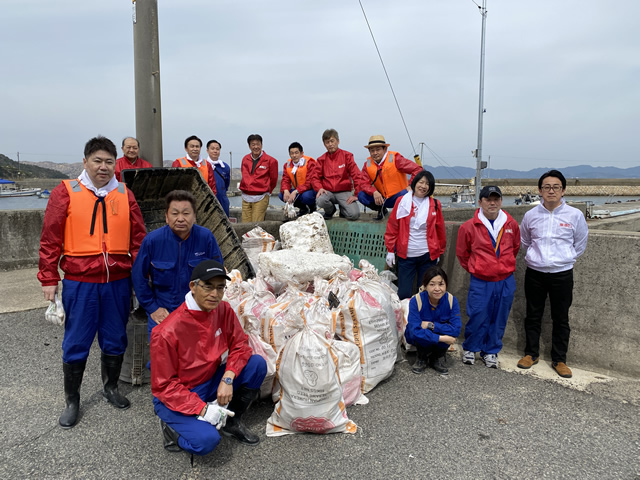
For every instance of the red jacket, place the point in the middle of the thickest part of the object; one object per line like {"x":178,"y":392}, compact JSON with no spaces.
{"x":186,"y":349}
{"x":386,"y":179}
{"x":302,"y":175}
{"x":476,"y":254}
{"x":205,"y":167}
{"x":337,"y":172}
{"x":123,"y":163}
{"x":92,"y":268}
{"x":260,"y":179}
{"x":396,"y":238}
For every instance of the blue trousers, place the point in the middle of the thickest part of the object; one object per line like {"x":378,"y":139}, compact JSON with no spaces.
{"x":308,"y":198}
{"x":91,"y":308}
{"x":408,"y":269}
{"x":200,"y":437}
{"x":368,"y":201}
{"x":488,"y":307}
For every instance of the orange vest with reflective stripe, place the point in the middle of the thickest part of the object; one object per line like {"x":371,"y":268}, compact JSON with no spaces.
{"x":390,"y":180}
{"x":204,"y":167}
{"x":301,"y":173}
{"x":85,"y":211}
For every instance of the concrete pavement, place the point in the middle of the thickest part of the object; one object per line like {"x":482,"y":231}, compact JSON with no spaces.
{"x":477,"y":422}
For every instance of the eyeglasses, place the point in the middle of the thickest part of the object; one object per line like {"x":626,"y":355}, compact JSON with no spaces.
{"x":210,"y":288}
{"x":548,"y":188}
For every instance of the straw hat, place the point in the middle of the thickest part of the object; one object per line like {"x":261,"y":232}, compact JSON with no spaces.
{"x":376,"y":141}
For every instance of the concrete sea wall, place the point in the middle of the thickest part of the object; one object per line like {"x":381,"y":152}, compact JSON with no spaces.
{"x":603,"y":318}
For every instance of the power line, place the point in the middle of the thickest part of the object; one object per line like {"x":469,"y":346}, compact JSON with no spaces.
{"x":388,"y":79}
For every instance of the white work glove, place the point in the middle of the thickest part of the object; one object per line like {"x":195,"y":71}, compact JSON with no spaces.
{"x":391,"y":259}
{"x":55,"y":312}
{"x":216,"y":415}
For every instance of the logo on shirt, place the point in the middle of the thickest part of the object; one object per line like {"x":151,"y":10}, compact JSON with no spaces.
{"x":198,"y":254}
{"x":566,"y":225}
{"x":218,"y":332}
{"x":262,"y":166}
{"x":341,"y":166}
{"x":508,"y":230}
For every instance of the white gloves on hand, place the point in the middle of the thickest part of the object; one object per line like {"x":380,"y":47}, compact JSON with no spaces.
{"x":55,"y":312}
{"x":391,"y":259}
{"x":216,"y":415}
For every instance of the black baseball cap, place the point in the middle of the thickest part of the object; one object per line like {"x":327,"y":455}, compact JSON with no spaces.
{"x":488,"y":190}
{"x":208,"y":269}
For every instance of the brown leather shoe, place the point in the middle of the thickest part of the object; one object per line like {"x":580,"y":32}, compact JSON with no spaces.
{"x":562,"y":369}
{"x":527,"y":361}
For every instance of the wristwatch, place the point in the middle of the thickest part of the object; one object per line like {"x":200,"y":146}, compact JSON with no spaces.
{"x":227,"y":380}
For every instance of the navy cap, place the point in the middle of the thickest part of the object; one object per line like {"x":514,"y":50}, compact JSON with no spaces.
{"x":208,"y":269}
{"x":488,"y":190}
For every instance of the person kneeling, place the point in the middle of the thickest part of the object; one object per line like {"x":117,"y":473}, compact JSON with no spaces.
{"x":434,"y":321}
{"x":196,"y":396}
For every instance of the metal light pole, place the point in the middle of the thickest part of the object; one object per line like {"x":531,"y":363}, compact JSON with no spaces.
{"x":146,"y":53}
{"x":478,"y":152}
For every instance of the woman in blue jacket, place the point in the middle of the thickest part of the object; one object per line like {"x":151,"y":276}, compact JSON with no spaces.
{"x":434,"y":321}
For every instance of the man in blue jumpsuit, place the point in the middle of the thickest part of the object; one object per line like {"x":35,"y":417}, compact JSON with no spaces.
{"x":167,"y":257}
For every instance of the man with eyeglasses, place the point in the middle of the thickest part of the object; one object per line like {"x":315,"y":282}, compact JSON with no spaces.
{"x":487,"y":248}
{"x":555,"y":235}
{"x":198,"y":393}
{"x":167,"y":257}
{"x":95,"y":224}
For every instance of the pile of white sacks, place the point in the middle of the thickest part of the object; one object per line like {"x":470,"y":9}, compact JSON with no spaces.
{"x":328,"y":332}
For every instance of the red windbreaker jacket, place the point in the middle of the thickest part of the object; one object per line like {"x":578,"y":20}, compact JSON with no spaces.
{"x":396,"y":238}
{"x":476,"y":254}
{"x":186,"y":350}
{"x":263,"y":178}
{"x":335,"y":172}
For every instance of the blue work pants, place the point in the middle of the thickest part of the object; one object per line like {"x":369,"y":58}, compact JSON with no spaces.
{"x":91,"y":308}
{"x":488,"y":307}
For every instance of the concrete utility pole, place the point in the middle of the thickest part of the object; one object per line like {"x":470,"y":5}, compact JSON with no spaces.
{"x":146,"y":53}
{"x":478,"y":152}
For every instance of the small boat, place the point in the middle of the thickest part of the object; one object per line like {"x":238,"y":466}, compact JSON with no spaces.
{"x":463,"y":194}
{"x":19,"y":192}
{"x":527,"y":199}
{"x":45,"y":193}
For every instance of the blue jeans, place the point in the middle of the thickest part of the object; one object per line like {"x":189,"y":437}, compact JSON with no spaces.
{"x":368,"y":201}
{"x":408,"y":269}
{"x":200,"y":437}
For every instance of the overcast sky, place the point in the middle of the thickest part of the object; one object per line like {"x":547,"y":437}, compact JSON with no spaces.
{"x":562,"y":80}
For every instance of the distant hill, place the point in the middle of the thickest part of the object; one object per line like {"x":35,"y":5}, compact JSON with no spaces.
{"x":578,"y":171}
{"x":72,"y":170}
{"x":9,"y":170}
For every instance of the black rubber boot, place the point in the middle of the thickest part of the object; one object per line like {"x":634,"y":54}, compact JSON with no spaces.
{"x":242,"y":399}
{"x":169,"y":438}
{"x":111,"y":366}
{"x":73,"y":373}
{"x":439,"y":361}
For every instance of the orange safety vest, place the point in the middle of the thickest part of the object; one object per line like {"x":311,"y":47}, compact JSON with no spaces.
{"x":96,"y":224}
{"x":204,"y":167}
{"x":388,"y":180}
{"x":301,"y":173}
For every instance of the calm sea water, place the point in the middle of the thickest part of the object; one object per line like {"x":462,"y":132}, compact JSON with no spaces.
{"x":35,"y":203}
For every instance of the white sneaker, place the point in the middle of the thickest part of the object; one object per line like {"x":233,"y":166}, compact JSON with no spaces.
{"x":490,"y":360}
{"x":468,"y":358}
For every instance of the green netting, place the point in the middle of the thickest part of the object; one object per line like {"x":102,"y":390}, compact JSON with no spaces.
{"x":359,"y":240}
